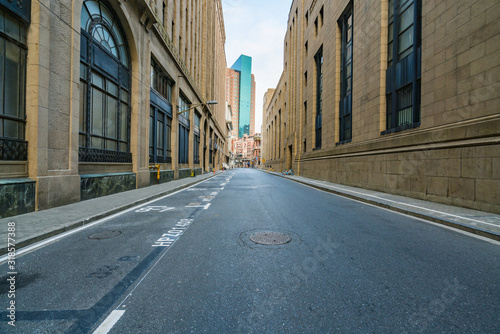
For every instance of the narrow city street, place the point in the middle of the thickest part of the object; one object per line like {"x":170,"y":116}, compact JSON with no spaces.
{"x":249,"y":252}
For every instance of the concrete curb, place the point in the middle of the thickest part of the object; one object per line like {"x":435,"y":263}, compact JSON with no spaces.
{"x":438,"y":220}
{"x":84,"y":221}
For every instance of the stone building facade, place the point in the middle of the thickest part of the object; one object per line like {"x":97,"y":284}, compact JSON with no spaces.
{"x":99,"y":92}
{"x":232,"y":96}
{"x":399,"y":96}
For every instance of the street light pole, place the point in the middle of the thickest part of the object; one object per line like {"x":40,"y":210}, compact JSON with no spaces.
{"x":197,"y":105}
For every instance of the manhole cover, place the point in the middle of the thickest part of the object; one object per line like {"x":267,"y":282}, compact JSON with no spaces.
{"x":105,"y":235}
{"x":270,"y":238}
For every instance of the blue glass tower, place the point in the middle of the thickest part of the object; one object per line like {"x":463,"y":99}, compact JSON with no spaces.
{"x":244,"y":66}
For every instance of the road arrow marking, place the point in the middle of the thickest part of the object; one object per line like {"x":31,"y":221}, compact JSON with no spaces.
{"x":155,"y":208}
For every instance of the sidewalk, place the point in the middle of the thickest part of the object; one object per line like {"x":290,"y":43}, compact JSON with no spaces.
{"x":36,"y":226}
{"x":478,"y":222}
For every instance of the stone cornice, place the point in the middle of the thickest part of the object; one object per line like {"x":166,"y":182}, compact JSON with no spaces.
{"x":469,"y":133}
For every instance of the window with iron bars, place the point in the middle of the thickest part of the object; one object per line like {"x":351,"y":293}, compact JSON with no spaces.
{"x":404,"y":65}
{"x":13,"y":53}
{"x":319,"y":96}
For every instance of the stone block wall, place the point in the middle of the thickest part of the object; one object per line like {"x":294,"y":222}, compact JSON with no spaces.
{"x":452,"y":154}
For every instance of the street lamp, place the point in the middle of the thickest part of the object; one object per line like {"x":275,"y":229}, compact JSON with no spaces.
{"x":197,"y":105}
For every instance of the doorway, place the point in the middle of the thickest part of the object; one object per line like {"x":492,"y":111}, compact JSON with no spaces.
{"x":289,"y":158}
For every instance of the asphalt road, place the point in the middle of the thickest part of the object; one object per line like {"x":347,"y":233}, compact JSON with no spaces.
{"x":186,"y":264}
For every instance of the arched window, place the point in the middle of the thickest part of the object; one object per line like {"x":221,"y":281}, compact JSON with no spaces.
{"x":104,"y":86}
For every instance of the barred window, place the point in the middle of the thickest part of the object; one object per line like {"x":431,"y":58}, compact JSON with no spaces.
{"x":161,"y":82}
{"x":404,"y":68}
{"x":160,"y":124}
{"x":183,"y":144}
{"x":183,"y":130}
{"x":196,"y":148}
{"x":160,"y":130}
{"x":184,"y":107}
{"x":319,"y":96}
{"x":346,"y":29}
{"x":104,"y":87}
{"x":13,"y":52}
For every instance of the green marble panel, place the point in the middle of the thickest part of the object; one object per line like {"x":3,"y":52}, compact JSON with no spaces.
{"x":97,"y":185}
{"x":183,"y":173}
{"x":165,"y":176}
{"x":17,"y":196}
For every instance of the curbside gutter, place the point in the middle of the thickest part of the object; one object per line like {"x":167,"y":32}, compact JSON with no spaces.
{"x":84,"y":221}
{"x":434,"y":219}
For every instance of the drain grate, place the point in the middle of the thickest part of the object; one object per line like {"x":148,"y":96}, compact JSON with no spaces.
{"x":270,"y":238}
{"x":105,"y":235}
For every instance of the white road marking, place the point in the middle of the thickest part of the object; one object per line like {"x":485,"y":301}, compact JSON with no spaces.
{"x":48,"y":241}
{"x":169,"y":238}
{"x":405,"y":204}
{"x":110,"y":321}
{"x":454,"y":229}
{"x":207,"y":206}
{"x":183,"y":223}
{"x":155,"y":208}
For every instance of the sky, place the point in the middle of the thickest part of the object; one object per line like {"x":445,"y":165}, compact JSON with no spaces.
{"x":257,"y":28}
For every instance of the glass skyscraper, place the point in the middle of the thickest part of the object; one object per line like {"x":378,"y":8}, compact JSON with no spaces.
{"x":241,"y":95}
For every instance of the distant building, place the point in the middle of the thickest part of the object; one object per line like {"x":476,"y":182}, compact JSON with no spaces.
{"x":257,"y":149}
{"x":230,"y":146}
{"x":399,"y":96}
{"x":247,"y":150}
{"x":240,"y":91}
